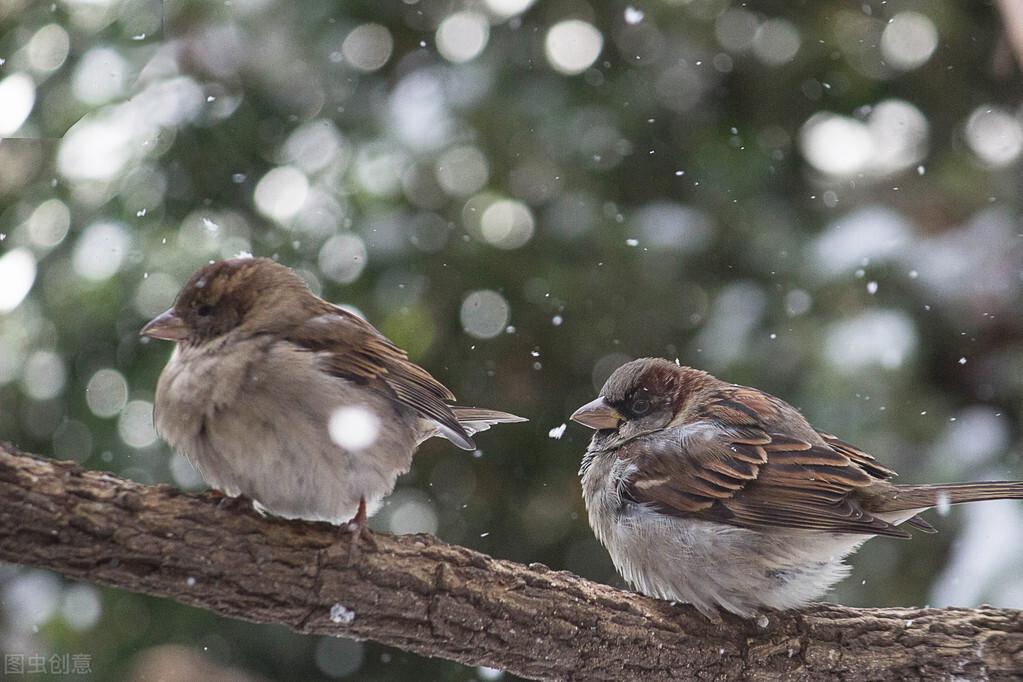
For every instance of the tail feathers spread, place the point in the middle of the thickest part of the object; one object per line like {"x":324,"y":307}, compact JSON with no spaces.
{"x":908,"y":497}
{"x":472,"y":419}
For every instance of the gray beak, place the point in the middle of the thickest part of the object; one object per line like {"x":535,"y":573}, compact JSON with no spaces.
{"x":167,"y":325}
{"x":597,"y":414}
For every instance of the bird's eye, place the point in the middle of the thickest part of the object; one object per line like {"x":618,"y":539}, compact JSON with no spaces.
{"x":204,"y":310}
{"x":640,"y":406}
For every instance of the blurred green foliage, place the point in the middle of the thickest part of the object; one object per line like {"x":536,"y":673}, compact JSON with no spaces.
{"x":820,"y":199}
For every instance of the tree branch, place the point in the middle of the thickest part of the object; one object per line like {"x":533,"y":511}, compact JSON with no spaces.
{"x":422,"y":595}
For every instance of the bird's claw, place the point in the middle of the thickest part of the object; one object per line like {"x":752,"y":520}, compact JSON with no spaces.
{"x":232,"y":503}
{"x":359,"y":528}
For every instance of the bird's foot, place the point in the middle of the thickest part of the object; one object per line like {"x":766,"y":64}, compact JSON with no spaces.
{"x":359,"y":528}
{"x":229,"y":503}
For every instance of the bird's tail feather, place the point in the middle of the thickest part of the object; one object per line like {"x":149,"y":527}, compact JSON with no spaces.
{"x":479,"y":414}
{"x":471,"y":419}
{"x":908,"y":497}
{"x":476,"y":419}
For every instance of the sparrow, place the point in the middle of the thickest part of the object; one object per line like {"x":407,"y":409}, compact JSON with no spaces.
{"x":725,"y":497}
{"x":274,"y":394}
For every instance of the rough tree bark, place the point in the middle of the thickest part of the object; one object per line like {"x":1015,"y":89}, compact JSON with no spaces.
{"x":422,"y":595}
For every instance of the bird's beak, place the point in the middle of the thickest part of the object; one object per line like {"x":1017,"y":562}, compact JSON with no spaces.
{"x":167,"y":325}
{"x":597,"y":414}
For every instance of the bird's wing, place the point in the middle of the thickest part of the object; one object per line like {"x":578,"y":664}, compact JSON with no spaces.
{"x":862,"y":459}
{"x":755,"y":475}
{"x":352,"y":348}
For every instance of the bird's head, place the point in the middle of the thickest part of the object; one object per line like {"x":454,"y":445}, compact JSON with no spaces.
{"x":641,"y":396}
{"x":254,"y":294}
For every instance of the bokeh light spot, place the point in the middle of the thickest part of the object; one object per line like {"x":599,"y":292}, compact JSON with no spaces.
{"x":48,"y":48}
{"x":44,"y":375}
{"x":572,"y":46}
{"x":484,"y":314}
{"x":17,"y":273}
{"x":135,"y":425}
{"x":994,"y":135}
{"x":81,"y":607}
{"x":368,"y":47}
{"x":17,"y":96}
{"x":411,"y":511}
{"x":354,"y":427}
{"x":337,"y":657}
{"x":343,"y":257}
{"x":908,"y":41}
{"x":100,"y":251}
{"x":106,"y":394}
{"x":49,"y":223}
{"x":507,"y":224}
{"x":884,"y":338}
{"x":776,"y":42}
{"x":736,"y":28}
{"x":100,"y":76}
{"x":98,"y":146}
{"x":462,"y":171}
{"x":313,"y":145}
{"x":281,"y":193}
{"x":462,"y":36}
{"x":508,"y":8}
{"x":837,"y":145}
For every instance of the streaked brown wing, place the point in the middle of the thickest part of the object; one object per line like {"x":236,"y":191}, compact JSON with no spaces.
{"x":352,"y":348}
{"x":863,"y":459}
{"x":691,"y":481}
{"x":758,"y":479}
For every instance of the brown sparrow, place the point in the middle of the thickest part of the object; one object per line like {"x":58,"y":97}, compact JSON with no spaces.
{"x":280,"y":396}
{"x":723,"y":496}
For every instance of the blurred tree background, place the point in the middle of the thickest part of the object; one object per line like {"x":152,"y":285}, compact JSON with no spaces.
{"x":821,"y":199}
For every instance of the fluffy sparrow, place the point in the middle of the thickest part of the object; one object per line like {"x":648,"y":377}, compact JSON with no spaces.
{"x":280,"y":396}
{"x":724,"y":497}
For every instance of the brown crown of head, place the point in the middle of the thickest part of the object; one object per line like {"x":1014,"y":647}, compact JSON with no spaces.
{"x":662,"y":382}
